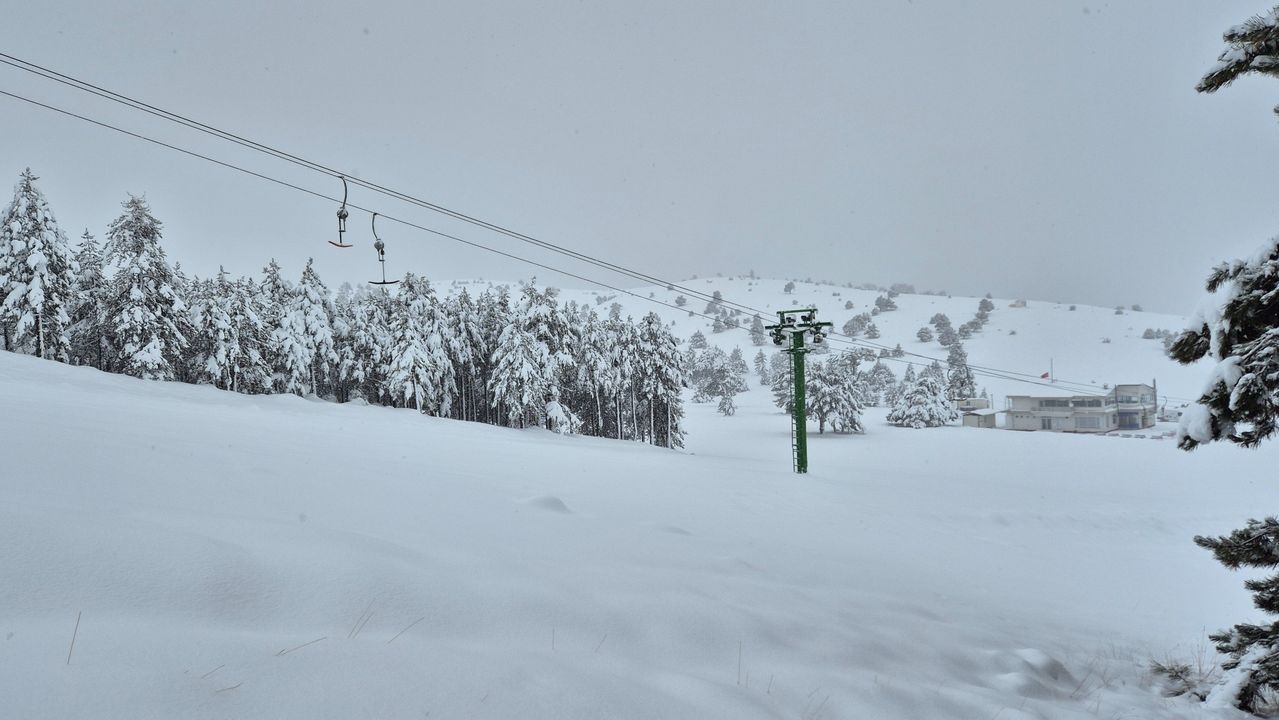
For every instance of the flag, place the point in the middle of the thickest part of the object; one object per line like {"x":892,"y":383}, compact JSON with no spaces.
{"x":1044,"y":376}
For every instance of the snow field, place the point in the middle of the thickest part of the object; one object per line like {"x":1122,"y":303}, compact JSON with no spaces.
{"x":462,"y":570}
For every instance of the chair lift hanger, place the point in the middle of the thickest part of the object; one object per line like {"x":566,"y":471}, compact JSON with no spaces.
{"x":342,"y":216}
{"x":381,"y":255}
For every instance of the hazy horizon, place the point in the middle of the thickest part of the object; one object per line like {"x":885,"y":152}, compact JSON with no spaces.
{"x":1024,"y":149}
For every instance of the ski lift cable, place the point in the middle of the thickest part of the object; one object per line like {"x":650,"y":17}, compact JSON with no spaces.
{"x":116,"y":97}
{"x":113,"y":96}
{"x":322,"y":196}
{"x":985,"y":372}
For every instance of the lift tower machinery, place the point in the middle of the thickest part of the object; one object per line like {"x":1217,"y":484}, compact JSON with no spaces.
{"x":798,"y":324}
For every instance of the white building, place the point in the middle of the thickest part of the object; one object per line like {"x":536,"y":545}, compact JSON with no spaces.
{"x":980,"y":417}
{"x":1126,"y":407}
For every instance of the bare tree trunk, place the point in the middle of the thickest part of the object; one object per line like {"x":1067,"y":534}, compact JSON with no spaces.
{"x":618,"y":404}
{"x":652,"y":436}
{"x":634,"y":415}
{"x":599,"y":415}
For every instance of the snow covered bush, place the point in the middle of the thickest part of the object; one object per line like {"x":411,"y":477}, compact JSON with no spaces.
{"x":727,"y":407}
{"x":561,"y":419}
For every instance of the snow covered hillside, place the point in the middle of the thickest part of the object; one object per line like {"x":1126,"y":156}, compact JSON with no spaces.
{"x":272,"y":557}
{"x":1026,"y":339}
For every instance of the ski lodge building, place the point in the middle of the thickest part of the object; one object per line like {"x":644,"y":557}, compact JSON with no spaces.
{"x":1126,"y":407}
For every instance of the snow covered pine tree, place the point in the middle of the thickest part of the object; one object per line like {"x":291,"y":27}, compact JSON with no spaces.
{"x":923,"y":405}
{"x":36,"y":277}
{"x":88,"y":339}
{"x":145,"y":314}
{"x":1238,"y":327}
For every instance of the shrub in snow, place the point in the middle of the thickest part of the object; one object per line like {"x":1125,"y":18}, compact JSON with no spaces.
{"x":1181,"y":678}
{"x":856,"y":324}
{"x":726,"y":406}
{"x":561,"y":419}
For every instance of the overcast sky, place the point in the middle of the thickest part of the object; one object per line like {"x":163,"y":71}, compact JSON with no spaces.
{"x":1030,"y":148}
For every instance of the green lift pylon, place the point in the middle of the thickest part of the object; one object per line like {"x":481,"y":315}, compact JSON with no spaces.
{"x":798,"y":324}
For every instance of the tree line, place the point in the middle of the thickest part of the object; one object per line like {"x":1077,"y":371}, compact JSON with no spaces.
{"x":517,"y":357}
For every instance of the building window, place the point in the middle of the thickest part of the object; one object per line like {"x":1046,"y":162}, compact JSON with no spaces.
{"x":1088,"y":423}
{"x":1045,"y":423}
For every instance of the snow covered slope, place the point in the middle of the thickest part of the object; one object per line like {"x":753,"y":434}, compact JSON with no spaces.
{"x":272,"y":557}
{"x":1026,"y":340}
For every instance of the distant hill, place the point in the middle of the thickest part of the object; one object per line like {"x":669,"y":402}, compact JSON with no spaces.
{"x":1087,"y":347}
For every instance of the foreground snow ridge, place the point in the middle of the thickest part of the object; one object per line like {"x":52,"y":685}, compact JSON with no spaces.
{"x":270,"y":557}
